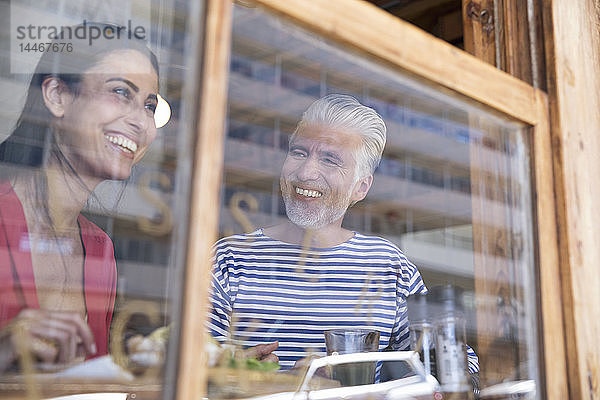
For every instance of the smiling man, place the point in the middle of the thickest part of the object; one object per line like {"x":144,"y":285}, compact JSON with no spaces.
{"x":276,"y":290}
{"x":324,"y":173}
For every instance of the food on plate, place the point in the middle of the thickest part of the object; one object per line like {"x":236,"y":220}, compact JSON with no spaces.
{"x":253,"y":364}
{"x":149,"y":351}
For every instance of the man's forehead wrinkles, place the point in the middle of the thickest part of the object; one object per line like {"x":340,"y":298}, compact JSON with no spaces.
{"x":330,"y":135}
{"x":322,"y":143}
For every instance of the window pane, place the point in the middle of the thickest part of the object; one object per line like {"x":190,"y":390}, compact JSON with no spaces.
{"x":452,"y":192}
{"x":95,"y":181}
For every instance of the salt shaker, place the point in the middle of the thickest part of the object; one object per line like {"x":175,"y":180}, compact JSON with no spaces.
{"x":450,"y":344}
{"x":422,"y":332}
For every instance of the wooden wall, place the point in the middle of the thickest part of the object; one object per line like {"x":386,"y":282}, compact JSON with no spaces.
{"x":572,"y":39}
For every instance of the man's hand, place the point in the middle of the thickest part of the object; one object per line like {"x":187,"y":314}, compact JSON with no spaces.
{"x":262,"y":352}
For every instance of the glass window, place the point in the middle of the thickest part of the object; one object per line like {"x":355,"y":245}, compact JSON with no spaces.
{"x":450,"y":205}
{"x":94,"y":176}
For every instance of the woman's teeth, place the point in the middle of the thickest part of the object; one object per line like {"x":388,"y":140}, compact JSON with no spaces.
{"x":308,"y":193}
{"x":126,"y":144}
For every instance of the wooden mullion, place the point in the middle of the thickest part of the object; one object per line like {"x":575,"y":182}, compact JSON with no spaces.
{"x":479,"y":29}
{"x":513,"y":39}
{"x":538,"y":45}
{"x":204,"y":201}
{"x":554,"y":370}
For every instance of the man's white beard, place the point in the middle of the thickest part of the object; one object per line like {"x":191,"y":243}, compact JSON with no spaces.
{"x":308,"y":218}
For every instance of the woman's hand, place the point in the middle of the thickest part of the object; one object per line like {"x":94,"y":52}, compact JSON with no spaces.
{"x":52,"y":337}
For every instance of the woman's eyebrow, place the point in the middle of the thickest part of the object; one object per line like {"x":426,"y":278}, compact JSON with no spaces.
{"x":128,"y":82}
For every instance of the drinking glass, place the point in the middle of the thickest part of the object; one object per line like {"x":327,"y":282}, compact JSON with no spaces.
{"x":345,"y":341}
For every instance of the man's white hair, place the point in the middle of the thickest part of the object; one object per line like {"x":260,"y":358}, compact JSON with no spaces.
{"x":342,"y":111}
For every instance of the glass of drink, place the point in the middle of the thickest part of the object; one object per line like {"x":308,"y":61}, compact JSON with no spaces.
{"x":345,"y":341}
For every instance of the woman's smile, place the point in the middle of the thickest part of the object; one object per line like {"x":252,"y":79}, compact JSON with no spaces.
{"x":123,"y":144}
{"x":109,"y":125}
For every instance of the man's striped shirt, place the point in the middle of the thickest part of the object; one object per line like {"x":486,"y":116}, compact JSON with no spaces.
{"x":265,"y":290}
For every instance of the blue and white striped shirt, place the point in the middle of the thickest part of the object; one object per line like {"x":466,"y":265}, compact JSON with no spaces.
{"x":265,"y":290}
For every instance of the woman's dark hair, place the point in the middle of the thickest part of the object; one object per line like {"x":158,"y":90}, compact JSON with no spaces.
{"x":33,"y":137}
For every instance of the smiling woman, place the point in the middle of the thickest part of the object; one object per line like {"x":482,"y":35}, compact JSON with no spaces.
{"x":88,"y":117}
{"x":115,"y":104}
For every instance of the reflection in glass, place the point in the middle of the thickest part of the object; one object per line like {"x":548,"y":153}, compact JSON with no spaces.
{"x":451,"y":191}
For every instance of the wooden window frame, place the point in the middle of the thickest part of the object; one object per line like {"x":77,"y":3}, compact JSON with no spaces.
{"x":362,"y":27}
